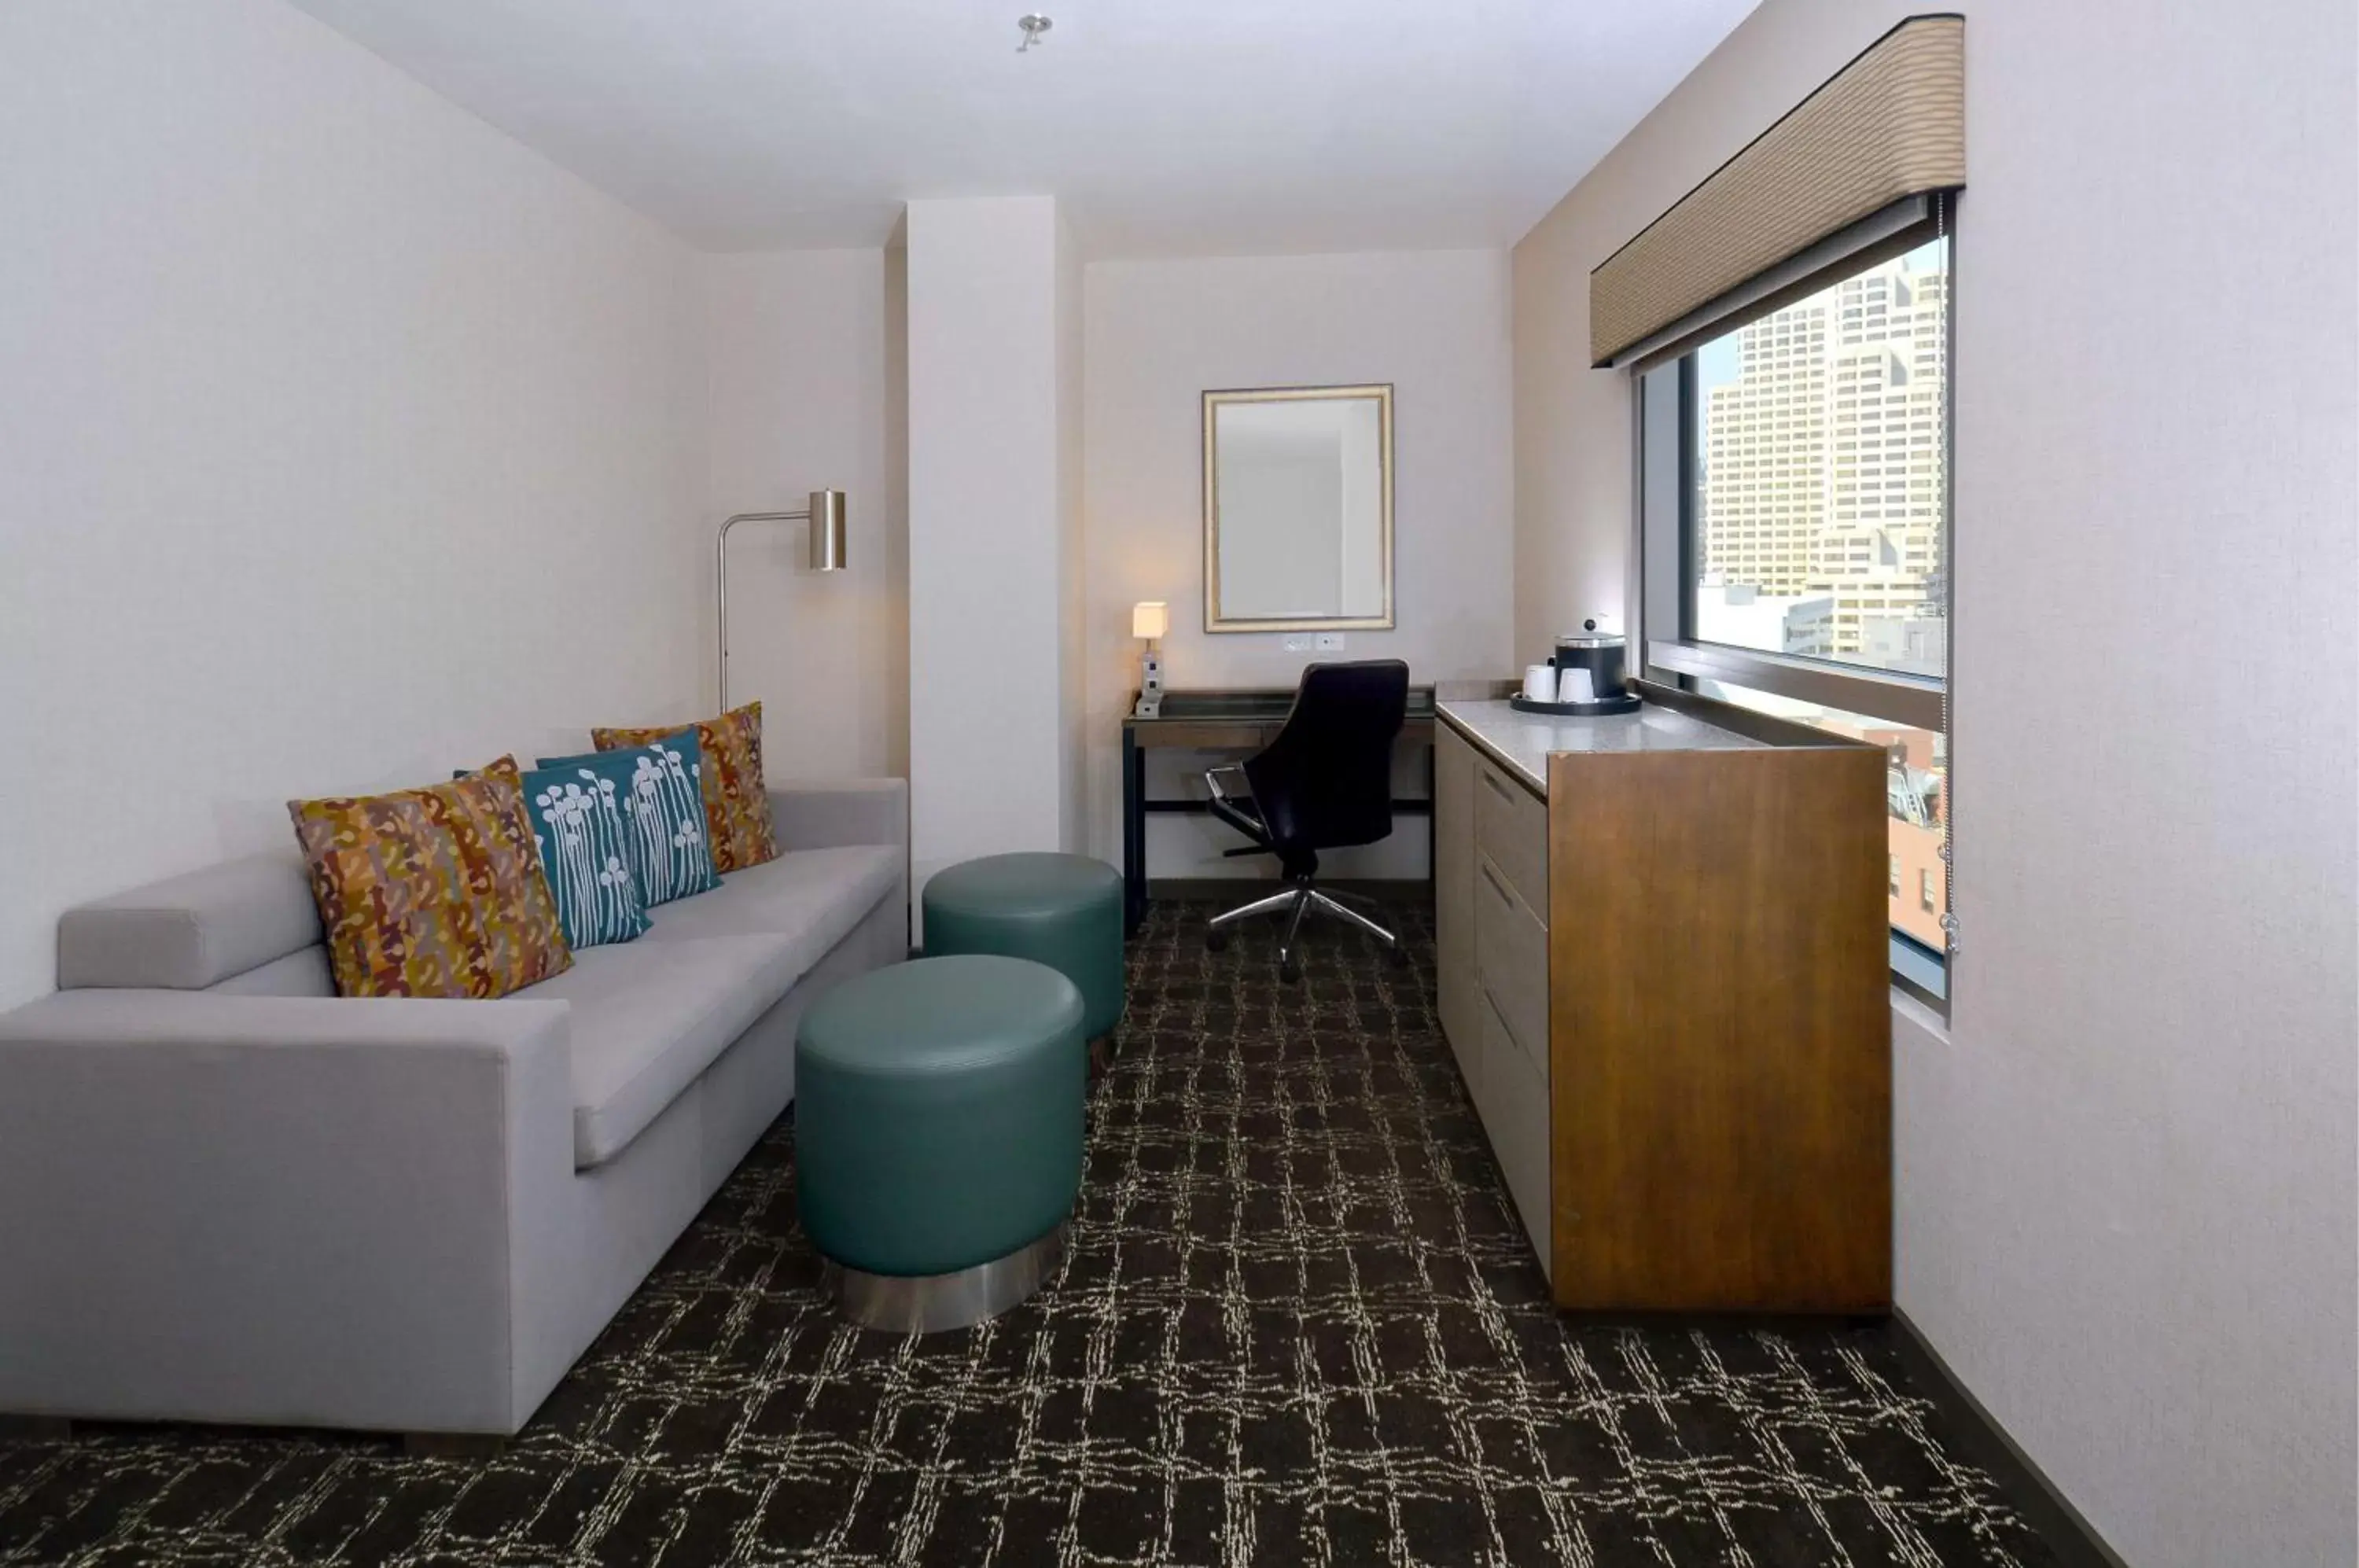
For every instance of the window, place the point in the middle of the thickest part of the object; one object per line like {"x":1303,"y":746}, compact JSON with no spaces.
{"x":1838,"y":618}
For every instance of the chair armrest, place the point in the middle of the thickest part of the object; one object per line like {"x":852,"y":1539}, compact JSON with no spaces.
{"x":830,"y":814}
{"x":290,"y":1210}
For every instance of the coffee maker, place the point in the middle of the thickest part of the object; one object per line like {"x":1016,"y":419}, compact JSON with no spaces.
{"x":1589,"y":666}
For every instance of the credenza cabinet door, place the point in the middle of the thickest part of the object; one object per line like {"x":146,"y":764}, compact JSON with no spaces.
{"x":1516,"y":1115}
{"x":1511,"y":960}
{"x":1511,"y":832}
{"x":1458,"y":987}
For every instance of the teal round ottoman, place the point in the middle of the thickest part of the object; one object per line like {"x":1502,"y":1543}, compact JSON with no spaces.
{"x":1063,"y":910}
{"x":938,"y":1136}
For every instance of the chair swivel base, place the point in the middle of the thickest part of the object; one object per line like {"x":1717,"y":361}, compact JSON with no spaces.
{"x":1299,"y":898}
{"x":930,"y":1303}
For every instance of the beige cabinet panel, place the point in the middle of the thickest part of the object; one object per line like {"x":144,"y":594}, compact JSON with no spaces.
{"x":1511,"y":827}
{"x":1455,"y":978}
{"x":1516,"y":1115}
{"x":1511,"y":958}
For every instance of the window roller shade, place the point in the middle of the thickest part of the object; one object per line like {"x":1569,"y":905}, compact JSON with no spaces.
{"x":1890,"y":124}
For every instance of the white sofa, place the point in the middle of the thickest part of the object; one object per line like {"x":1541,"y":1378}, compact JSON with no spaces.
{"x":228,"y":1196}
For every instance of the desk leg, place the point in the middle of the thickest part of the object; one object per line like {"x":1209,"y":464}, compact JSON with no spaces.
{"x":1134,"y":832}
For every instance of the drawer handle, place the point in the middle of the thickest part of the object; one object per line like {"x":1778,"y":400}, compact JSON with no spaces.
{"x":1496,"y":886}
{"x":1493,"y":780}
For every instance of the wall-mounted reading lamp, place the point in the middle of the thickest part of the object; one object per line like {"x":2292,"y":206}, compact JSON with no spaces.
{"x":825,"y":516}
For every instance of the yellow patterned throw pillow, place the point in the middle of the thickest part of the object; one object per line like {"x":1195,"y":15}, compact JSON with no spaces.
{"x":433,"y":892}
{"x":736,"y":806}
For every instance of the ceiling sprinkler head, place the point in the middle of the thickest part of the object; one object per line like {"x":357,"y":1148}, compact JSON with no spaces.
{"x":1034,"y":25}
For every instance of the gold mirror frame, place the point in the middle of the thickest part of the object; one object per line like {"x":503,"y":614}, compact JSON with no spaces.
{"x":1217,"y":621}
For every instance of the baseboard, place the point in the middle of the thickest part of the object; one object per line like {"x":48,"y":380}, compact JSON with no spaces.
{"x":1236,"y":889}
{"x":1986,"y":1443}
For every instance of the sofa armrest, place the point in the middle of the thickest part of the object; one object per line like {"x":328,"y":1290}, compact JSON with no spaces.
{"x":833,"y":812}
{"x":282,"y":1210}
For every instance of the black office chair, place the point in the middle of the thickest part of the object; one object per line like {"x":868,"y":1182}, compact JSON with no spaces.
{"x":1324,"y":783}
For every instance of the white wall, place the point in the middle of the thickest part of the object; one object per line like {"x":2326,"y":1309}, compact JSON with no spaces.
{"x":1072,"y":577}
{"x":988,"y":531}
{"x":2125,"y":1208}
{"x":345,"y":440}
{"x":1160,"y":333}
{"x":796,"y":346}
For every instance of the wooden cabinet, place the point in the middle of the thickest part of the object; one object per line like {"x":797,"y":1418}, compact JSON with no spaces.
{"x":1664,"y":978}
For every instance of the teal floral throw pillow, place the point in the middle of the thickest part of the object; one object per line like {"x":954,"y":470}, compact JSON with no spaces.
{"x":659,"y":792}
{"x":585,"y":853}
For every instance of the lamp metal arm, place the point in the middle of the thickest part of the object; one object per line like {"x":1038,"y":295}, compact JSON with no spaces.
{"x":826,"y":554}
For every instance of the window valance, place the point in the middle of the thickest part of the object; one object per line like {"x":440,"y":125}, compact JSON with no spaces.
{"x":1889,"y":125}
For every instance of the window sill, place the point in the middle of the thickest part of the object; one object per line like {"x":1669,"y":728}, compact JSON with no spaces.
{"x":1905,"y":1005}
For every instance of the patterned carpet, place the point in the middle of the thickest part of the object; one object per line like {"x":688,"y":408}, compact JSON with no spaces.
{"x":1298,"y":1324}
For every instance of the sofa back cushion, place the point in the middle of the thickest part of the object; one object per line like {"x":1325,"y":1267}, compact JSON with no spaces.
{"x":186,"y":933}
{"x":434,"y":892}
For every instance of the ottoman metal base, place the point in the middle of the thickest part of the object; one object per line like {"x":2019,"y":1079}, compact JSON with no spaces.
{"x":928,"y":1303}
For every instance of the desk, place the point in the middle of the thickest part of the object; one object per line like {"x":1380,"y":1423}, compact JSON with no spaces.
{"x":1214,"y":720}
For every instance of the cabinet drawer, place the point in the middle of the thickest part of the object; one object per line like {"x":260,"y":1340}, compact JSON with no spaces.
{"x":1511,"y":959}
{"x":1516,"y":1116}
{"x":1511,"y":827}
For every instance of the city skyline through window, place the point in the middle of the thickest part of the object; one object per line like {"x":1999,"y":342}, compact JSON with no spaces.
{"x":1819,"y":477}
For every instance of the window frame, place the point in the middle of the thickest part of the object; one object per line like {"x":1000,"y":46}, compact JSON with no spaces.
{"x":1663,"y":391}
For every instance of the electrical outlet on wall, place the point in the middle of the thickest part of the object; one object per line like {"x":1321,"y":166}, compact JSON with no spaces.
{"x":1330,"y":642}
{"x":1298,"y":642}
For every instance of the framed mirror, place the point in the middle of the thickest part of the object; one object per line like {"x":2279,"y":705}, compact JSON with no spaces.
{"x":1298,"y":509}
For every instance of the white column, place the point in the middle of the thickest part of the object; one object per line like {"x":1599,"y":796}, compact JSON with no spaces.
{"x":994,"y":503}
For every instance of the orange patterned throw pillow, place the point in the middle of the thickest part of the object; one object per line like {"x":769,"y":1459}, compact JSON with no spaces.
{"x":736,"y":807}
{"x":434,"y":892}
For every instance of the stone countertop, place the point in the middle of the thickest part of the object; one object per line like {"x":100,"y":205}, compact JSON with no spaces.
{"x":1523,"y":741}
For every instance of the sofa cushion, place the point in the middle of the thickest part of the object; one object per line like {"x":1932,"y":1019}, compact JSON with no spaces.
{"x":813,"y":896}
{"x":647,"y":1021}
{"x":188,"y":932}
{"x":736,"y":807}
{"x":649,"y":1017}
{"x":434,"y":892}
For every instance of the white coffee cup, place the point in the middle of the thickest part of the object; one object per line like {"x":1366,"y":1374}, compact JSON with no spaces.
{"x":1539,"y":682}
{"x":1574,"y":685}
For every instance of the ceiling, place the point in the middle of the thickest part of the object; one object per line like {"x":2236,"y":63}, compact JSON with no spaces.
{"x":1163,"y":127}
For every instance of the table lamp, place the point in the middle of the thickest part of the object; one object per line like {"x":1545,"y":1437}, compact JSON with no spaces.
{"x":1149,"y":620}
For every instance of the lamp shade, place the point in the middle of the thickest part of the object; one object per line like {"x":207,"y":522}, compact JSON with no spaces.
{"x":827,"y":530}
{"x":1150,"y":619}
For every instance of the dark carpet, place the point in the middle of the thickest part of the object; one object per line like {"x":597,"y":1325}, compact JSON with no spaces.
{"x":1297,"y":1325}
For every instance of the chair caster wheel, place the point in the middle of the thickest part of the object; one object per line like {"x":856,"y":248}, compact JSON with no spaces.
{"x":1290,"y":971}
{"x":1216,"y":941}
